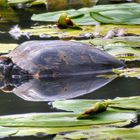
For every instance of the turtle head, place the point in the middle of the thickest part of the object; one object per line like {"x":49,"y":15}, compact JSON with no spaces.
{"x":5,"y":67}
{"x":5,"y":72}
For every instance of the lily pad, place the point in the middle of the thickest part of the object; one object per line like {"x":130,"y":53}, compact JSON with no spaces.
{"x":7,"y":131}
{"x":54,"y":32}
{"x":126,"y":103}
{"x":125,"y":16}
{"x":128,"y":72}
{"x":38,"y":131}
{"x":52,"y":123}
{"x":81,"y":105}
{"x":5,"y":48}
{"x":121,"y":13}
{"x":103,"y":133}
{"x":123,"y":48}
{"x":64,"y":119}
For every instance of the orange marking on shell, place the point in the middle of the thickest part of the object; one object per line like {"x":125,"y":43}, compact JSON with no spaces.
{"x":62,"y":56}
{"x":36,"y":75}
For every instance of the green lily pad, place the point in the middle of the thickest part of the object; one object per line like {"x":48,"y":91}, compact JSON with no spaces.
{"x":125,"y":16}
{"x":103,"y":133}
{"x":74,"y":105}
{"x":121,"y":47}
{"x":52,"y":123}
{"x":81,"y":105}
{"x":121,"y":112}
{"x":64,"y":119}
{"x":121,"y":13}
{"x":38,"y":131}
{"x":126,"y":103}
{"x":54,"y":16}
{"x":42,"y":131}
{"x":6,"y":48}
{"x":7,"y":131}
{"x":128,"y":72}
{"x":71,"y":33}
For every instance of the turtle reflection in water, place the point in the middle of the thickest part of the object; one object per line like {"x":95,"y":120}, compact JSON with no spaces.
{"x":54,"y":60}
{"x":59,"y":89}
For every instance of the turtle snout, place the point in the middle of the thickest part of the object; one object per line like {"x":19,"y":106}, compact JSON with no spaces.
{"x":5,"y":70}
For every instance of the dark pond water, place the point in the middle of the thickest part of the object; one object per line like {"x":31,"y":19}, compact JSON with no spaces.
{"x":10,"y":103}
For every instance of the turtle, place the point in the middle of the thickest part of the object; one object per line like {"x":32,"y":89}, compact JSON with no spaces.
{"x":55,"y":59}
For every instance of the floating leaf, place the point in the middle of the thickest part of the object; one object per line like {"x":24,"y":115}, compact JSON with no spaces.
{"x":41,"y":124}
{"x":126,"y":103}
{"x":54,"y":16}
{"x":64,"y":119}
{"x":5,"y":48}
{"x":102,"y":18}
{"x":121,"y":13}
{"x":7,"y":131}
{"x":82,"y":105}
{"x":125,"y":16}
{"x":131,"y":41}
{"x":121,"y":47}
{"x":56,"y":33}
{"x":38,"y":131}
{"x":74,"y":105}
{"x":103,"y":133}
{"x":128,"y":72}
{"x":109,"y":7}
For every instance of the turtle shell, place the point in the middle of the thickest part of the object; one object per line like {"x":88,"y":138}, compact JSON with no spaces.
{"x":62,"y":58}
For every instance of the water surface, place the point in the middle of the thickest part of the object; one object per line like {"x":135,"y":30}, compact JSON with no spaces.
{"x":10,"y":103}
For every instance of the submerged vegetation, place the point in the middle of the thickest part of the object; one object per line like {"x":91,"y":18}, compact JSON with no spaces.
{"x":112,"y":28}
